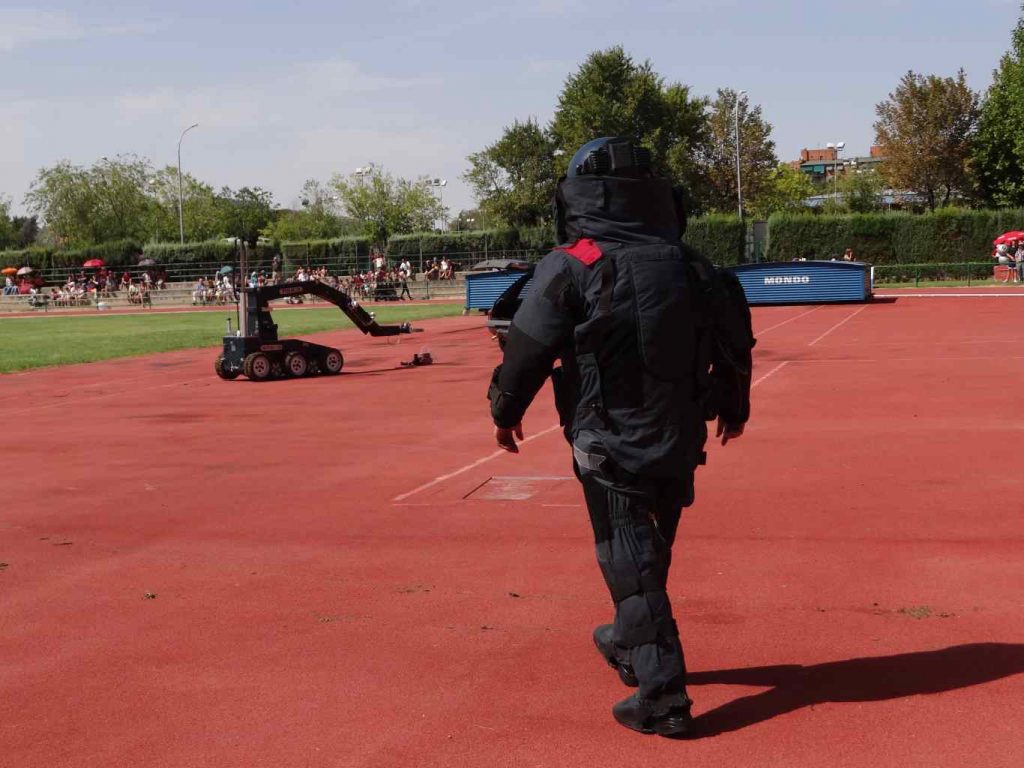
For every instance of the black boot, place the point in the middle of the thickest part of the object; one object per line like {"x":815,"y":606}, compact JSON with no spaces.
{"x":605,"y":646}
{"x":671,"y":718}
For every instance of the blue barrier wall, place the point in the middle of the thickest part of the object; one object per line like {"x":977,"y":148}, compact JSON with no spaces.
{"x":484,"y":288}
{"x":804,"y":282}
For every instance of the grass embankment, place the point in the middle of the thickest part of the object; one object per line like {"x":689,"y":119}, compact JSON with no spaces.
{"x":33,"y":342}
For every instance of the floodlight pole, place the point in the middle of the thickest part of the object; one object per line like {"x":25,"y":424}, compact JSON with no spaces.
{"x":838,"y":146}
{"x":181,"y":214}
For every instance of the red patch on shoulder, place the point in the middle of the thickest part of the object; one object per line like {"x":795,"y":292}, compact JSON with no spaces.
{"x":584,"y":250}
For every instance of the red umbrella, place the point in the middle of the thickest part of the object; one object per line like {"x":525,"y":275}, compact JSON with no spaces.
{"x":1010,"y":236}
{"x":93,"y":263}
{"x":9,"y":271}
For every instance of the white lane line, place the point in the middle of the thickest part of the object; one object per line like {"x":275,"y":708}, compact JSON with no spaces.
{"x":473,"y":465}
{"x":776,"y":369}
{"x":842,"y":322}
{"x":950,"y":295}
{"x":790,"y":320}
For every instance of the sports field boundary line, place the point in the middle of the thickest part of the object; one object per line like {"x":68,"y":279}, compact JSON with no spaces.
{"x":1019,"y":295}
{"x":789,"y":320}
{"x":471,"y":465}
{"x":772,"y":372}
{"x":838,"y":325}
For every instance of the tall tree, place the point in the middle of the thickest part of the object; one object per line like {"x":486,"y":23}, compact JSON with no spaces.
{"x":202,"y":214}
{"x":245,"y":212}
{"x":786,"y":190}
{"x":925,"y":129}
{"x":514,"y":178}
{"x":612,"y":95}
{"x":27,"y":228}
{"x":8,"y":231}
{"x":317,"y":217}
{"x":998,"y":152}
{"x":861,"y":190}
{"x":385,"y":205}
{"x":758,"y":162}
{"x":609,"y":95}
{"x":104,"y":202}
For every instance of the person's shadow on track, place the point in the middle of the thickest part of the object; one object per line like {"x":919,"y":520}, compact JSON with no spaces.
{"x":877,"y":678}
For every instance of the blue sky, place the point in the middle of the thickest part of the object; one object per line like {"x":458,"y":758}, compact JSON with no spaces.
{"x":289,"y":91}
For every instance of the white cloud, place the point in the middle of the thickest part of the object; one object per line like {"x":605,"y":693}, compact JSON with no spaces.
{"x":23,"y":27}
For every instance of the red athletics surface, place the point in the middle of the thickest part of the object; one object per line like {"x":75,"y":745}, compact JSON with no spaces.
{"x":347,"y":574}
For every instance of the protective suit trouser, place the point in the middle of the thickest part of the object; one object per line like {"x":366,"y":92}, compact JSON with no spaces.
{"x":633,"y":532}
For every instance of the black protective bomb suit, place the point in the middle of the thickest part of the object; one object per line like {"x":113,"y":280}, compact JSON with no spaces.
{"x":653,"y":341}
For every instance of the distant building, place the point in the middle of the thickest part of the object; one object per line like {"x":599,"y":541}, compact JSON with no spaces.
{"x":821,"y":164}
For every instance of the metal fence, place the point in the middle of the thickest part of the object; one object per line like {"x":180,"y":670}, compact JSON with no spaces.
{"x":340,"y":266}
{"x":968,"y":272}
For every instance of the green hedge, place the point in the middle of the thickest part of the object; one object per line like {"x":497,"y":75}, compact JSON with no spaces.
{"x":944,"y":236}
{"x":477,"y":242}
{"x":116,"y":254}
{"x":192,"y":253}
{"x":719,"y":237}
{"x":537,"y":239}
{"x":326,"y":250}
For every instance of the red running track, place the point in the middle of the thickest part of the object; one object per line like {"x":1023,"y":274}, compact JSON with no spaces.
{"x":344,"y":573}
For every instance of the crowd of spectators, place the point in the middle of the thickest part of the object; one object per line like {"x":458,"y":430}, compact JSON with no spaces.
{"x":382,"y":281}
{"x":1010,"y":257}
{"x":86,"y":287}
{"x":215,"y":290}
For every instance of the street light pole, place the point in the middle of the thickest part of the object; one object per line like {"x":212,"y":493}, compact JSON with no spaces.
{"x":838,"y":146}
{"x":739,"y":181}
{"x":181,"y":214}
{"x":439,"y":184}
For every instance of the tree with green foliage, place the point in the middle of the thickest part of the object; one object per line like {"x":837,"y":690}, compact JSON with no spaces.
{"x":609,"y":95}
{"x":27,"y":228}
{"x":612,"y":95}
{"x":514,"y":178}
{"x":201,"y":212}
{"x":8,"y":231}
{"x":382,"y":204}
{"x":925,"y":130}
{"x":758,"y":163}
{"x":316,"y":219}
{"x":785,"y":190}
{"x":998,"y":150}
{"x":81,"y":206}
{"x":245,"y":212}
{"x":860,"y":190}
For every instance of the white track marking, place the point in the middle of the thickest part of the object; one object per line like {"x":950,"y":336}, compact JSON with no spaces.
{"x":950,"y":295}
{"x":777,"y":368}
{"x":473,"y":465}
{"x":790,"y":320}
{"x":842,"y":322}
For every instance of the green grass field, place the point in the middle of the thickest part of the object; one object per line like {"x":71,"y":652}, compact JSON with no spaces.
{"x":33,"y":342}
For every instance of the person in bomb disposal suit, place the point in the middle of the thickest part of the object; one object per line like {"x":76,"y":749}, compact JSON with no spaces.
{"x":653,"y":342}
